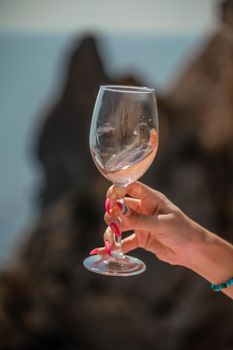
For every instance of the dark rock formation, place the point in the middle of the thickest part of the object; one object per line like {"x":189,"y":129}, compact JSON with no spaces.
{"x":47,"y":299}
{"x":203,"y":99}
{"x":203,"y":94}
{"x":63,"y":148}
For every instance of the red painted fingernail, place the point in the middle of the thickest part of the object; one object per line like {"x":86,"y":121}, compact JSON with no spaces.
{"x":120,"y":205}
{"x":123,"y":208}
{"x":108,"y":248}
{"x":108,"y":206}
{"x":94,"y":251}
{"x":114,"y":227}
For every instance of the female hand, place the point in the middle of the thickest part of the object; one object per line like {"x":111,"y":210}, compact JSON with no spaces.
{"x":163,"y":229}
{"x":159,"y":226}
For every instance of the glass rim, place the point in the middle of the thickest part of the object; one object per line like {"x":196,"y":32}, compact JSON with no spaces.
{"x":127,"y":88}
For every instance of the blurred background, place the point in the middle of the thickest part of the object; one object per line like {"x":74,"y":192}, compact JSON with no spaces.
{"x":53,"y":57}
{"x":147,"y":40}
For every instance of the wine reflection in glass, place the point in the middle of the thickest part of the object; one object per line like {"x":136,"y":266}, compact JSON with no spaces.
{"x":123,"y":144}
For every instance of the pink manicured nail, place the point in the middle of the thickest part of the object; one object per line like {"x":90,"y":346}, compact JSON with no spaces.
{"x":123,"y":208}
{"x":94,"y":251}
{"x":114,"y":227}
{"x":107,"y":206}
{"x":120,"y":205}
{"x":108,"y":248}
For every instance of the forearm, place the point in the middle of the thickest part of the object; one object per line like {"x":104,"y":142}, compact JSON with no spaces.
{"x":212,"y":258}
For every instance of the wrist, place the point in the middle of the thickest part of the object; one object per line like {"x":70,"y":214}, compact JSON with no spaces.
{"x":210,"y":256}
{"x":198,"y":238}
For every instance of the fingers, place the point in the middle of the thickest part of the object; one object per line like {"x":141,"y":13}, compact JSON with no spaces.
{"x":129,"y":243}
{"x":116,"y":192}
{"x":133,"y":203}
{"x":139,"y":221}
{"x":128,"y":202}
{"x":151,"y":200}
{"x":109,"y":236}
{"x":133,"y":220}
{"x":109,"y":244}
{"x":102,"y":250}
{"x":149,"y":243}
{"x":113,"y":215}
{"x":140,"y":240}
{"x":137,"y":190}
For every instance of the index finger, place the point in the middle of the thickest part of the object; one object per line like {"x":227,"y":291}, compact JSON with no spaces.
{"x":116,"y":192}
{"x":140,"y":191}
{"x":136,"y":190}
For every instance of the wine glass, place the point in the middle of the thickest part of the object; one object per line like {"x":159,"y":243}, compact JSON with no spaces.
{"x":123,"y":144}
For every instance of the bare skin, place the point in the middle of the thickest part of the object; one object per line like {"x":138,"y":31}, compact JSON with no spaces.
{"x":163,"y":229}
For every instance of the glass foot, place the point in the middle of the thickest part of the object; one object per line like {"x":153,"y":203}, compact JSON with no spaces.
{"x":113,"y":266}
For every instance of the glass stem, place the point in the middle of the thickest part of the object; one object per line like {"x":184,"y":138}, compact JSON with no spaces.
{"x":118,"y":245}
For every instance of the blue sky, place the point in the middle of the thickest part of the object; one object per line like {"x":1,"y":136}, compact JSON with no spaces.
{"x":156,"y":16}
